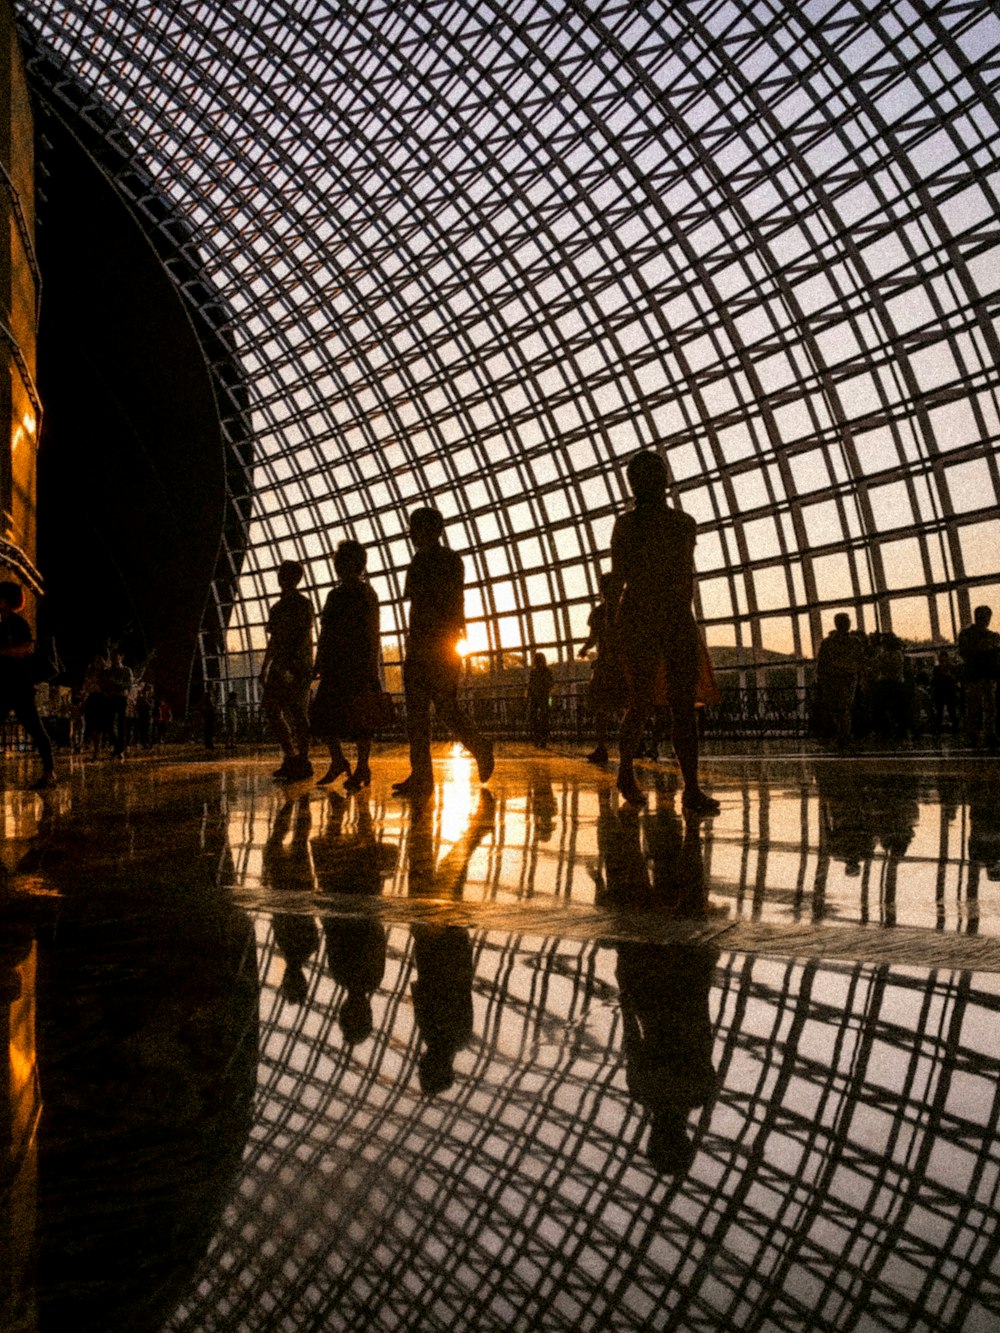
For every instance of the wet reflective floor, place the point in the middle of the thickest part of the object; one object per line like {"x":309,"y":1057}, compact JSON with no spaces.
{"x":515,"y":1060}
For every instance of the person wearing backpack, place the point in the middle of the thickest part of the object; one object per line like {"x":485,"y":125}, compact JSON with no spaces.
{"x":17,"y":682}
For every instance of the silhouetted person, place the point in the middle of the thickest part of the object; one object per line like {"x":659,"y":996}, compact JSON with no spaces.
{"x":286,"y":673}
{"x":442,"y":991}
{"x":539,"y":700}
{"x":208,"y":719}
{"x":232,"y":721}
{"x":652,"y":584}
{"x":288,"y":870}
{"x":116,"y":684}
{"x":347,"y":665}
{"x":839,"y":664}
{"x":144,"y":715}
{"x":979,"y":649}
{"x":887,"y":688}
{"x":606,"y":695}
{"x":944,"y":693}
{"x":667,"y":1036}
{"x":353,"y":863}
{"x":17,"y":684}
{"x":432,"y":667}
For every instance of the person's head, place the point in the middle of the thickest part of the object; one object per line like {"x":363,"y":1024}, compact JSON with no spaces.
{"x":982,"y":615}
{"x":426,"y":527}
{"x":647,"y":475}
{"x":349,"y":559}
{"x":11,"y":596}
{"x":356,"y":1020}
{"x":540,"y":660}
{"x":290,"y":574}
{"x":842,"y":622}
{"x":604,"y":584}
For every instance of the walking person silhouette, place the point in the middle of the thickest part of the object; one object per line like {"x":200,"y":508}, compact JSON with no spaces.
{"x":432,"y":666}
{"x":652,"y":586}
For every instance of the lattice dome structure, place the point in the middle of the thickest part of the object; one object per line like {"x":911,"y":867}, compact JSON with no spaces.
{"x":475,"y":255}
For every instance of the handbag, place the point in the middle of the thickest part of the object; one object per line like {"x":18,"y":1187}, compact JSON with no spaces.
{"x":372,"y":710}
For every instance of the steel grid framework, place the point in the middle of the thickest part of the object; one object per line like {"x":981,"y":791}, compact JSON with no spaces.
{"x":846,"y":1168}
{"x":476,"y":254}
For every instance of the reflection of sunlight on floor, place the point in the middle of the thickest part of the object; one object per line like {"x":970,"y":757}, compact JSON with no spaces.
{"x":459,"y":797}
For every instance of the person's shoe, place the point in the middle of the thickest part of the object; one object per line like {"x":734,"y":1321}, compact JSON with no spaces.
{"x":333,"y":773}
{"x":631,"y":793}
{"x":598,"y":756}
{"x":700,"y":803}
{"x":299,"y":770}
{"x":358,"y":780}
{"x":485,"y":761}
{"x":415,"y":788}
{"x":45,"y":781}
{"x":283,"y":772}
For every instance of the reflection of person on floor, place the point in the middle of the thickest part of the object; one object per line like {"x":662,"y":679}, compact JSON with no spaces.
{"x":667,"y":1034}
{"x":353,"y":862}
{"x":288,"y":870}
{"x":541,"y":802}
{"x":858,"y":812}
{"x":442,"y":954}
{"x":984,"y":845}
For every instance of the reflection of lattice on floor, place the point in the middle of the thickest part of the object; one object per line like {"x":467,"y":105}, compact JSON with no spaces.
{"x":846,"y":1171}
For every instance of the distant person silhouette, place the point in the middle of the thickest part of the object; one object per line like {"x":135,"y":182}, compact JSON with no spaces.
{"x":667,"y":1035}
{"x":839,"y":664}
{"x":17,"y":683}
{"x":286,"y":673}
{"x":347,"y":665}
{"x":606,"y":695}
{"x":432,"y":667}
{"x":944,"y":693}
{"x":353,"y":863}
{"x":979,"y":649}
{"x":652,"y":586}
{"x":116,"y":685}
{"x":288,"y":870}
{"x":539,"y":700}
{"x":442,"y":991}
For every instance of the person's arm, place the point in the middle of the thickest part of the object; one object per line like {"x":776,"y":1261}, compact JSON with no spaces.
{"x":616,"y":581}
{"x":593,"y":634}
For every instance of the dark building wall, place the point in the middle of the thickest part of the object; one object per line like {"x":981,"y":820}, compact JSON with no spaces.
{"x":19,"y":402}
{"x":132,"y":467}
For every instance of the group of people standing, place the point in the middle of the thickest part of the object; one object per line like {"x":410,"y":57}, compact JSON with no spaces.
{"x":657,"y":647}
{"x":866,"y":686}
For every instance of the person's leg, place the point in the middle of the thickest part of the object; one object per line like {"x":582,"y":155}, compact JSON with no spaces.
{"x":338,"y":762}
{"x":458,"y":721}
{"x":641,"y":684}
{"x":418,"y":730}
{"x":26,"y":712}
{"x":272,"y":704}
{"x":682,"y":679}
{"x":362,"y":775}
{"x":297,"y":716}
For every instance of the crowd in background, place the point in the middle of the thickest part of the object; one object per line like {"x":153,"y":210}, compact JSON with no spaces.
{"x":868,"y":686}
